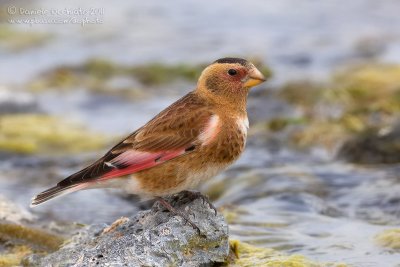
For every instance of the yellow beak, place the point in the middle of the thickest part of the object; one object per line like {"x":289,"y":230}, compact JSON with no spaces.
{"x":255,"y":78}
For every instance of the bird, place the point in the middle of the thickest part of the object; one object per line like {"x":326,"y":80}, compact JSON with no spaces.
{"x":182,"y":147}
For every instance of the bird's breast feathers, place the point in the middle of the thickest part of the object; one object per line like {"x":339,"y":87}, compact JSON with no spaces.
{"x":243,"y":123}
{"x":210,"y":131}
{"x":215,"y":125}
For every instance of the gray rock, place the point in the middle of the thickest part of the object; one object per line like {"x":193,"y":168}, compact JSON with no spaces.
{"x":151,"y":238}
{"x":14,"y":101}
{"x":373,"y":147}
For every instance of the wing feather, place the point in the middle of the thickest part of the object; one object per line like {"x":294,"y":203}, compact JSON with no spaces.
{"x":172,"y":133}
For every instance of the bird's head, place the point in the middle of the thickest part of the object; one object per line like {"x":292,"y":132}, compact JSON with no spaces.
{"x":229,"y":79}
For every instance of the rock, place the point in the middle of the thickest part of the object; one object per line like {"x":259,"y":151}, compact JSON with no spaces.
{"x":153,"y":237}
{"x":389,"y":238}
{"x":12,"y":101}
{"x":373,"y":147}
{"x":13,"y":213}
{"x":42,"y":133}
{"x":18,"y":239}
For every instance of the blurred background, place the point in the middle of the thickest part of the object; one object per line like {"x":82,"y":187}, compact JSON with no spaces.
{"x":320,"y":175}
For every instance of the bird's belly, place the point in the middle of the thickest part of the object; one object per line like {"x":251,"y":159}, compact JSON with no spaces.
{"x":196,"y":177}
{"x":172,"y":177}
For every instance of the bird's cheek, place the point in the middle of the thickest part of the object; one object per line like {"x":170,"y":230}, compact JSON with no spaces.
{"x":245,"y":81}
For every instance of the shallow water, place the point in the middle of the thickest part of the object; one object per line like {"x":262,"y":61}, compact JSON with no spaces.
{"x":298,"y":203}
{"x":327,"y":210}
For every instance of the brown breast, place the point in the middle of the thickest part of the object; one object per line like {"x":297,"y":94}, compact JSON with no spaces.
{"x":230,"y":142}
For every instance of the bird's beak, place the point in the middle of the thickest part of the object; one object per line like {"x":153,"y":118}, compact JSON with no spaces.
{"x":255,"y":78}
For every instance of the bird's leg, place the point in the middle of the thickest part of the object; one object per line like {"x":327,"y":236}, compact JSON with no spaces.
{"x":169,"y":207}
{"x":192,"y":195}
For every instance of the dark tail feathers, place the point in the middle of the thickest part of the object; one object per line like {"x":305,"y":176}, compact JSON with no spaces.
{"x":55,"y":192}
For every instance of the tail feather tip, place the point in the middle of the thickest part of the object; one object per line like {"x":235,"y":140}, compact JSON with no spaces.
{"x":47,"y":195}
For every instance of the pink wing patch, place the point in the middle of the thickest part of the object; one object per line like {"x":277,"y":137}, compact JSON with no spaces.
{"x":137,"y":161}
{"x":132,"y":161}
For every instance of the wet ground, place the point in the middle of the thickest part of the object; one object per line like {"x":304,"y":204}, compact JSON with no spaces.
{"x":306,"y":203}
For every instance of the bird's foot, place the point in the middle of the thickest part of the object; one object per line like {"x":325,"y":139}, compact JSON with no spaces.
{"x":175,"y":211}
{"x":192,"y":195}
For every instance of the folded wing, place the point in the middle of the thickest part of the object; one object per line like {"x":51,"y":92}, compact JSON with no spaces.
{"x":172,"y":133}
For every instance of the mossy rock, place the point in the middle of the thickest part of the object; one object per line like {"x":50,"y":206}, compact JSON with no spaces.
{"x":353,"y":101}
{"x":373,"y":146}
{"x":14,"y":256}
{"x":157,"y":73}
{"x":303,"y":92}
{"x":36,"y":239}
{"x":21,"y":241}
{"x":17,"y":40}
{"x":280,"y":123}
{"x":95,"y":75}
{"x":369,"y":77}
{"x":36,"y":133}
{"x":246,"y":255}
{"x":389,"y":239}
{"x":368,"y":88}
{"x":327,"y":134}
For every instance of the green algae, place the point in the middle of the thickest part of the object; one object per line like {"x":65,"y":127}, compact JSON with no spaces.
{"x":34,"y":238}
{"x":94,"y":74}
{"x":16,"y":40}
{"x":198,"y":242}
{"x":368,"y":89}
{"x":302,"y":93}
{"x":100,"y":68}
{"x":21,"y":241}
{"x":14,"y":256}
{"x":159,"y":74}
{"x":37,"y":133}
{"x":231,"y":216}
{"x":353,"y":101}
{"x":153,"y":73}
{"x":280,"y":123}
{"x":61,"y":77}
{"x":246,"y":255}
{"x":97,"y":75}
{"x":325,"y":133}
{"x":389,"y":239}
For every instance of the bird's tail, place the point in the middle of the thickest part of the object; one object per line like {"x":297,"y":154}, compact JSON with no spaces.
{"x":56,"y":191}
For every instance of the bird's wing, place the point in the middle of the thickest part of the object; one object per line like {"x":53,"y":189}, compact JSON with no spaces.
{"x":174,"y":132}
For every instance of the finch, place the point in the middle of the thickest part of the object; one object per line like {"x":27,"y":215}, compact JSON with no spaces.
{"x":189,"y":142}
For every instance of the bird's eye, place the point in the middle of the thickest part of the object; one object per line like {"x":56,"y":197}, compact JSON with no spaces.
{"x":232,"y":72}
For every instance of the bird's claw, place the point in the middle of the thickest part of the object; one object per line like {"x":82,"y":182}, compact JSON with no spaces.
{"x":181,"y":214}
{"x":195,"y":227}
{"x":194,"y":195}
